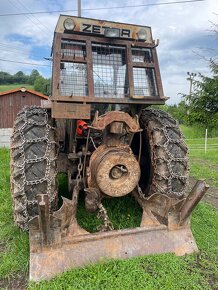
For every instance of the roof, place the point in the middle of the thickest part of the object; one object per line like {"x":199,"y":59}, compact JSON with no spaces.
{"x":24,"y":90}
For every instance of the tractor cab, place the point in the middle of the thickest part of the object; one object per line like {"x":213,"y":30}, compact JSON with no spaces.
{"x":96,"y":61}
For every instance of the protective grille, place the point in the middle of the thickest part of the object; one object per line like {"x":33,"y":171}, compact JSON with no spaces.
{"x":73,"y":79}
{"x":144,"y":82}
{"x":141,"y":55}
{"x":73,"y":48}
{"x":110,"y":71}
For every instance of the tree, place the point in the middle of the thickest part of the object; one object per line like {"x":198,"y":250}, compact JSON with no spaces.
{"x":6,"y":78}
{"x":34,"y":74}
{"x":203,"y":104}
{"x":20,"y":77}
{"x":42,"y":85}
{"x":203,"y":101}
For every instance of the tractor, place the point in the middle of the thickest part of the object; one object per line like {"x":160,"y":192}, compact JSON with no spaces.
{"x":101,"y":129}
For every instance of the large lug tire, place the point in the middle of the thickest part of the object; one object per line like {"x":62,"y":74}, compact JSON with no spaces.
{"x":34,"y":152}
{"x":164,"y":154}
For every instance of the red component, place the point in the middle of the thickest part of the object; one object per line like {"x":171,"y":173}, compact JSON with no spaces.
{"x":82,"y":128}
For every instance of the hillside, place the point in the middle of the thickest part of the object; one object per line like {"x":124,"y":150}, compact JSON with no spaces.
{"x":4,"y":88}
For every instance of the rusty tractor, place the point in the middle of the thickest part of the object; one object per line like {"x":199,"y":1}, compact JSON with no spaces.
{"x":98,"y":128}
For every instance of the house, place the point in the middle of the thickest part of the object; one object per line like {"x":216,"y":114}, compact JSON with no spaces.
{"x":11,"y":102}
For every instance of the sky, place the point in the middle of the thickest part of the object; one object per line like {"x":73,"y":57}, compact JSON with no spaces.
{"x":184,"y":31}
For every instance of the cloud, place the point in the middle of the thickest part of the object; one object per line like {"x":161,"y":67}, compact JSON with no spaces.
{"x":181,"y":28}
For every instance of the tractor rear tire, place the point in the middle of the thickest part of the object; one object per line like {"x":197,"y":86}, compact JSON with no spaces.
{"x":34,"y":152}
{"x":164,"y":154}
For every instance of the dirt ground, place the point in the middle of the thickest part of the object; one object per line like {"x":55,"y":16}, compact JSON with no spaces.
{"x":18,"y":282}
{"x":211,"y":195}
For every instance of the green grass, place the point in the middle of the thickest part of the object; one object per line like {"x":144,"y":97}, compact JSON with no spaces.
{"x":4,"y":88}
{"x":203,"y":165}
{"x":166,"y":271}
{"x":204,"y":171}
{"x":123,"y":211}
{"x":13,"y":243}
{"x":198,"y":132}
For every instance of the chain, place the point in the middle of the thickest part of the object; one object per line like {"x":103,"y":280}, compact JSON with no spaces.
{"x":167,"y":122}
{"x":30,"y":116}
{"x":78,"y":181}
{"x":140,"y":192}
{"x":79,"y":175}
{"x":102,"y":214}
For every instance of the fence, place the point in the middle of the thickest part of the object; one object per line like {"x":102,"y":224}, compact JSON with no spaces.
{"x":5,"y":135}
{"x":202,"y":144}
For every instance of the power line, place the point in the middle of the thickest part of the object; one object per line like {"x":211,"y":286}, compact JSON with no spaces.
{"x":101,"y":8}
{"x":19,"y":47}
{"x":29,"y":63}
{"x":28,"y":17}
{"x":42,"y":24}
{"x":14,"y":50}
{"x":17,"y":51}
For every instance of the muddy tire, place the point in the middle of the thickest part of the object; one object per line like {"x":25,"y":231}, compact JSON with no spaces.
{"x":33,"y":163}
{"x":164,"y":161}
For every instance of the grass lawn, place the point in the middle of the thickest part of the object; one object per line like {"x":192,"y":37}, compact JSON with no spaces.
{"x":4,"y":88}
{"x":203,"y":165}
{"x":166,"y":271}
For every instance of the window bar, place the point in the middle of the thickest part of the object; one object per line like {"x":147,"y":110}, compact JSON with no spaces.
{"x":90,"y":69}
{"x":130,"y":71}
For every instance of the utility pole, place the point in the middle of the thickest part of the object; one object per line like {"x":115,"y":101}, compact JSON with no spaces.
{"x":79,"y":7}
{"x":191,"y":79}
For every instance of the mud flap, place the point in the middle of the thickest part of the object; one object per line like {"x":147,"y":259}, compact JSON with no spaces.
{"x":58,"y":244}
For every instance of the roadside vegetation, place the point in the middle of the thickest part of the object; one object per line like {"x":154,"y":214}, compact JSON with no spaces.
{"x":33,"y":81}
{"x":197,"y":112}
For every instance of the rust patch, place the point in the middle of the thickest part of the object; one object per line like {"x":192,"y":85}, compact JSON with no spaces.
{"x":101,"y":122}
{"x":121,"y":244}
{"x":62,"y":240}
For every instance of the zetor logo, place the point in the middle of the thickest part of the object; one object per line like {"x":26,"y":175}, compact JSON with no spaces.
{"x":97,"y":29}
